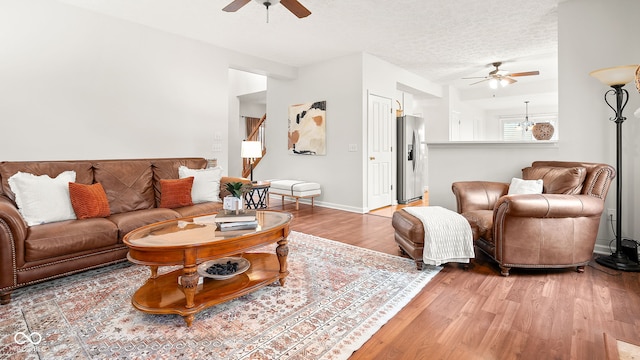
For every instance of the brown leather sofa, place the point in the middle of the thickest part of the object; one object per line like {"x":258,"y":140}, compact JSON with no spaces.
{"x":32,"y":254}
{"x":555,"y":229}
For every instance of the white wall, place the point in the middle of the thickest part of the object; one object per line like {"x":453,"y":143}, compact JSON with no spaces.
{"x":79,"y":85}
{"x":436,"y":114}
{"x":592,"y":34}
{"x":338,"y":82}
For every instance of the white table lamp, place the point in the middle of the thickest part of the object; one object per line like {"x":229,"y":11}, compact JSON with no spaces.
{"x":251,"y":150}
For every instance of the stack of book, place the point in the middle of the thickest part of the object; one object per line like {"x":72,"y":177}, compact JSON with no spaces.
{"x":232,"y":221}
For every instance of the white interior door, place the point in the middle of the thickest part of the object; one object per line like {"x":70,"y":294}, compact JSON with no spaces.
{"x":379,"y":136}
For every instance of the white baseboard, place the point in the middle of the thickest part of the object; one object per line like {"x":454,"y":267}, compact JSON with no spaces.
{"x":276,"y":199}
{"x":602,"y":249}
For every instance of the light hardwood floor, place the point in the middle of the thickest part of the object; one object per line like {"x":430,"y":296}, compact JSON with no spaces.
{"x":478,"y":314}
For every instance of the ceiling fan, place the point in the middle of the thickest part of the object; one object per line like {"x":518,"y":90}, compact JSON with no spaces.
{"x":292,"y":5}
{"x":501,"y":77}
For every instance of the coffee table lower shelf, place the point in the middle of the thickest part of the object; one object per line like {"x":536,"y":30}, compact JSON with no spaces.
{"x":163,"y":294}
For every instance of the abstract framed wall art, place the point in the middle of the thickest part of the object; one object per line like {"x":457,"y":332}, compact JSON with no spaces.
{"x":307,"y":128}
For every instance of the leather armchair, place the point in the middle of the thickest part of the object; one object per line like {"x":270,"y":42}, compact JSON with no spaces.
{"x":548,"y":230}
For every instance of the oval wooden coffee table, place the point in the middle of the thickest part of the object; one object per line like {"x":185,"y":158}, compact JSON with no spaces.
{"x":190,"y":241}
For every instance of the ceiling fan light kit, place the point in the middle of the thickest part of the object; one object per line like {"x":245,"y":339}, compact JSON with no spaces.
{"x":501,"y":78}
{"x":292,"y":5}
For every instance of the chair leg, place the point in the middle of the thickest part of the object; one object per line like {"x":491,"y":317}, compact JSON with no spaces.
{"x":5,"y":298}
{"x":504,"y":270}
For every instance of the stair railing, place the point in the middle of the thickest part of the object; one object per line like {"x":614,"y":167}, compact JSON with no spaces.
{"x":256,"y":134}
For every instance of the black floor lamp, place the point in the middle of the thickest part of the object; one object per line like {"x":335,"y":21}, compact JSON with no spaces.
{"x":617,"y":78}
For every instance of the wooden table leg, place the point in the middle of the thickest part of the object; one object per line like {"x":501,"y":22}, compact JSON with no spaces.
{"x":154,"y":271}
{"x":189,"y":281}
{"x":189,"y":319}
{"x":282,"y":251}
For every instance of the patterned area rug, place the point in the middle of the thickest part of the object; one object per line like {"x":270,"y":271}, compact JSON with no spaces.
{"x":335,"y":298}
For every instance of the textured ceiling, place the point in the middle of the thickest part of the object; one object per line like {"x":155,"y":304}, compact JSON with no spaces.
{"x":439,"y":40}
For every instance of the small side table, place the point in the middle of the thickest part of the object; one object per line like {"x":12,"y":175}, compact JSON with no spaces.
{"x":258,"y":196}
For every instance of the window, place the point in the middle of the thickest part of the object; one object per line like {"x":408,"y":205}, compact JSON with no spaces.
{"x":514,"y":130}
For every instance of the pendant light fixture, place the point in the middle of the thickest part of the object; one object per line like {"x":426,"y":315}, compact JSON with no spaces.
{"x":526,"y":124}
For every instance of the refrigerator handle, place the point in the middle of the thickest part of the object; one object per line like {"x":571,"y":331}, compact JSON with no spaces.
{"x":415,"y":150}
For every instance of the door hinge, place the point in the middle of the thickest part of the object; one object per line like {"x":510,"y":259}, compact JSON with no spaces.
{"x":391,"y":187}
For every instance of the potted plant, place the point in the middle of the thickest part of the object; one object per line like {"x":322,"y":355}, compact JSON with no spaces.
{"x":235,"y":202}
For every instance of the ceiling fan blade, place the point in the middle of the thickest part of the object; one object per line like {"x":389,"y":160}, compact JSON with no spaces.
{"x":527,"y":73}
{"x":295,"y":7}
{"x":509,"y":80}
{"x":235,"y":5}
{"x":478,"y":82}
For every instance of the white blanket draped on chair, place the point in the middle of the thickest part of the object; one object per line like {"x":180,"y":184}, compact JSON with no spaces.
{"x":447,"y":235}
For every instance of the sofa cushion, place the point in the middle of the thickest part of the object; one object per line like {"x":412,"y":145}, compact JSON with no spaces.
{"x":41,"y":199}
{"x":62,"y":238}
{"x":557,"y":180}
{"x":132,"y":220}
{"x":89,"y":201}
{"x":127,"y":183}
{"x":176,"y":192}
{"x":206,"y":183}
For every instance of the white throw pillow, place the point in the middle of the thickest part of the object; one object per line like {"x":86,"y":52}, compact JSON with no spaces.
{"x":206,"y":183}
{"x":41,"y":199}
{"x":519,"y":186}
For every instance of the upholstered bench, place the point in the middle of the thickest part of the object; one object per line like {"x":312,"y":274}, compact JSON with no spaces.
{"x":448,"y":233}
{"x":296,"y":189}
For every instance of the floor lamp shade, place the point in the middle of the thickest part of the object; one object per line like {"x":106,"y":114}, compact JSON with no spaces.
{"x":251,"y":150}
{"x":617,"y":77}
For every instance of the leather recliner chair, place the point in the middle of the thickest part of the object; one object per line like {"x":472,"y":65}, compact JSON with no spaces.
{"x":555,"y":229}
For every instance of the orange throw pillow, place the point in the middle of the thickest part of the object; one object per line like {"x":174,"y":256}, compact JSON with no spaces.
{"x":89,"y":201}
{"x":176,"y":192}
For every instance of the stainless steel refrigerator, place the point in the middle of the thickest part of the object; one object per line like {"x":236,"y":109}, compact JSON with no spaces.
{"x":410,"y":158}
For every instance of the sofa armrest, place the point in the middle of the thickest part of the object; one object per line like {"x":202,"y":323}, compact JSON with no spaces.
{"x":13,"y":232}
{"x":545,"y":230}
{"x":478,"y":195}
{"x":12,"y":220}
{"x":549,"y":206}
